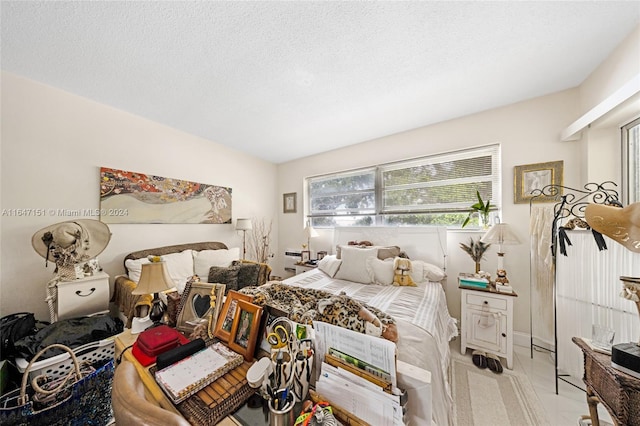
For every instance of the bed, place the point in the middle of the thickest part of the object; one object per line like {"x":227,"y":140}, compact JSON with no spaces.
{"x":423,"y":321}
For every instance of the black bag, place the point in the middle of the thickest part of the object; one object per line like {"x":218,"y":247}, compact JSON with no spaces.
{"x":13,"y":328}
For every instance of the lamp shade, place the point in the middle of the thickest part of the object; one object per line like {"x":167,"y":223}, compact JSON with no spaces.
{"x":310,"y":232}
{"x":154,"y":278}
{"x":501,"y":234}
{"x":243,"y":225}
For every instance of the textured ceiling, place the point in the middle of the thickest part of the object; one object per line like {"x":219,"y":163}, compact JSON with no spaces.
{"x":283,"y":80}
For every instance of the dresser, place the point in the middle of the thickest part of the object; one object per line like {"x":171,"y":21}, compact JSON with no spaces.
{"x":86,"y":296}
{"x":487,"y":322}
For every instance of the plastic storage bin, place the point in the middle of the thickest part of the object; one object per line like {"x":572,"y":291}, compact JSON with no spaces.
{"x":60,"y":365}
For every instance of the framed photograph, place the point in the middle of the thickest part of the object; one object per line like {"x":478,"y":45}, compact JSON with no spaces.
{"x":321,"y":255}
{"x":200,"y":304}
{"x":305,"y":256}
{"x":531,"y":177}
{"x":227,"y":314}
{"x":289,"y":202}
{"x":245,"y":329}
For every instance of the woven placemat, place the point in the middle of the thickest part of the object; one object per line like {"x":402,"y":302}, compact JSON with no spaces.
{"x":221,"y":398}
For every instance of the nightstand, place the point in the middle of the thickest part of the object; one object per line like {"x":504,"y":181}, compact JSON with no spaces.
{"x":86,"y":296}
{"x":304,"y":267}
{"x":487,"y":322}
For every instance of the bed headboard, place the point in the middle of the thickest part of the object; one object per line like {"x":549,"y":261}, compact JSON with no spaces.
{"x":427,"y":243}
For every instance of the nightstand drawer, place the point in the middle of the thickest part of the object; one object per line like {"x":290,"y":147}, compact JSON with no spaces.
{"x":482,"y":300}
{"x":81,"y":297}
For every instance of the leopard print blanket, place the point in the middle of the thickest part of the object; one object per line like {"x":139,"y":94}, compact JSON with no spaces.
{"x":306,"y":305}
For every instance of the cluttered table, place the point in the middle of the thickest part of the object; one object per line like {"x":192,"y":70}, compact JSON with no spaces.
{"x":189,"y":409}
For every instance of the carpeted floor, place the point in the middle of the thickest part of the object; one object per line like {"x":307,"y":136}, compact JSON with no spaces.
{"x":482,"y":397}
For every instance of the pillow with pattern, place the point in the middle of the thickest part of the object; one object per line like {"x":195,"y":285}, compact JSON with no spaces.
{"x":227,"y":276}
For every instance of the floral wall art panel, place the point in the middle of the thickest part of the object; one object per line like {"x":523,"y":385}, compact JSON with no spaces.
{"x":132,"y":197}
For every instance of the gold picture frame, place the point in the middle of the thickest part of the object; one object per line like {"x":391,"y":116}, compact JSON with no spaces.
{"x":530,"y":179}
{"x":245,"y":330}
{"x":289,"y":202}
{"x":201,"y":305}
{"x":227,"y":314}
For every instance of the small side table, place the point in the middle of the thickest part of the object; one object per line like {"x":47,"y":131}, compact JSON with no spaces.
{"x":487,"y":321}
{"x":617,"y":391}
{"x":85,"y":296}
{"x":304,"y":267}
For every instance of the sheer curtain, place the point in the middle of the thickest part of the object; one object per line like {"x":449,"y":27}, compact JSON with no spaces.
{"x":587,"y":292}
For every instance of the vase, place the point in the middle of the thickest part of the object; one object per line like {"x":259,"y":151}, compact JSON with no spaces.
{"x":477,"y":267}
{"x":484,"y":221}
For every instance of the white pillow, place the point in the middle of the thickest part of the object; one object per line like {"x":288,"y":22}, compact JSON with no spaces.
{"x":179,"y":265}
{"x":203,"y":260}
{"x":380,"y":271}
{"x":329,"y":265}
{"x":354,"y":264}
{"x":425,"y":271}
{"x":417,"y":271}
{"x":433,"y":273}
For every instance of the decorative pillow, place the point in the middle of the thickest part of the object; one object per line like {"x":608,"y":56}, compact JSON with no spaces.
{"x":380,"y":271}
{"x":222,"y":275}
{"x":329,"y":265}
{"x":354,"y":264}
{"x":205,"y":259}
{"x":247,"y":274}
{"x":388,"y":252}
{"x":179,"y":265}
{"x":432,"y":272}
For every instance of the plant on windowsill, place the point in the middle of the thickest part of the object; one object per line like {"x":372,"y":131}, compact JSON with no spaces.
{"x":482,"y":209}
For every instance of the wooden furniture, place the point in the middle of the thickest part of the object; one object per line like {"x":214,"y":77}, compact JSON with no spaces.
{"x":487,"y":322}
{"x":86,"y":296}
{"x":617,"y":391}
{"x":152,"y":391}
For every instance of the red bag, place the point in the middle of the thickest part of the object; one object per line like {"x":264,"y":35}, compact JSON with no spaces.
{"x":156,"y":340}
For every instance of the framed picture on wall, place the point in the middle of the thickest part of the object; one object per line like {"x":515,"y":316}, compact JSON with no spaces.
{"x":289,"y":202}
{"x":530,"y":179}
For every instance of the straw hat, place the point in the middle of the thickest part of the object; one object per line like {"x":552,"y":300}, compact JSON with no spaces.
{"x":90,"y":237}
{"x":621,"y":224}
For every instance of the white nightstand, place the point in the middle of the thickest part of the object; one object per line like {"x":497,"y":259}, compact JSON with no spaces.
{"x":86,"y":296}
{"x":487,"y":322}
{"x":300,"y":268}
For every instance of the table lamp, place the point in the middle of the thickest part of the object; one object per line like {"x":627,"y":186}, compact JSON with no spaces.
{"x":310,"y":232}
{"x":244,"y":225}
{"x":501,"y":234}
{"x":154,"y":278}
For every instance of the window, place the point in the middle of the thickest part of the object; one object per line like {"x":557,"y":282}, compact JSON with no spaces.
{"x":433,"y":190}
{"x":631,"y":162}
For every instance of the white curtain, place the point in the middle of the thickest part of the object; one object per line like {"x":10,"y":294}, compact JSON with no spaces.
{"x":588,"y":290}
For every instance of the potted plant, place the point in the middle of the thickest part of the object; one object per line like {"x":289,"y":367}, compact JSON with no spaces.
{"x":475,"y":250}
{"x":483,"y":210}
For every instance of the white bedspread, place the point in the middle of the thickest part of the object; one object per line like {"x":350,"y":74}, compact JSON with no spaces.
{"x":424,"y":326}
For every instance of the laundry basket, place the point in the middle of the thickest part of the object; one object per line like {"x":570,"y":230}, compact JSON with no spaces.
{"x":59,"y":365}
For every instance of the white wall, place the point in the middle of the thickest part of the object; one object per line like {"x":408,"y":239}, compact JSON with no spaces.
{"x":528,"y":133}
{"x":53,"y":144}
